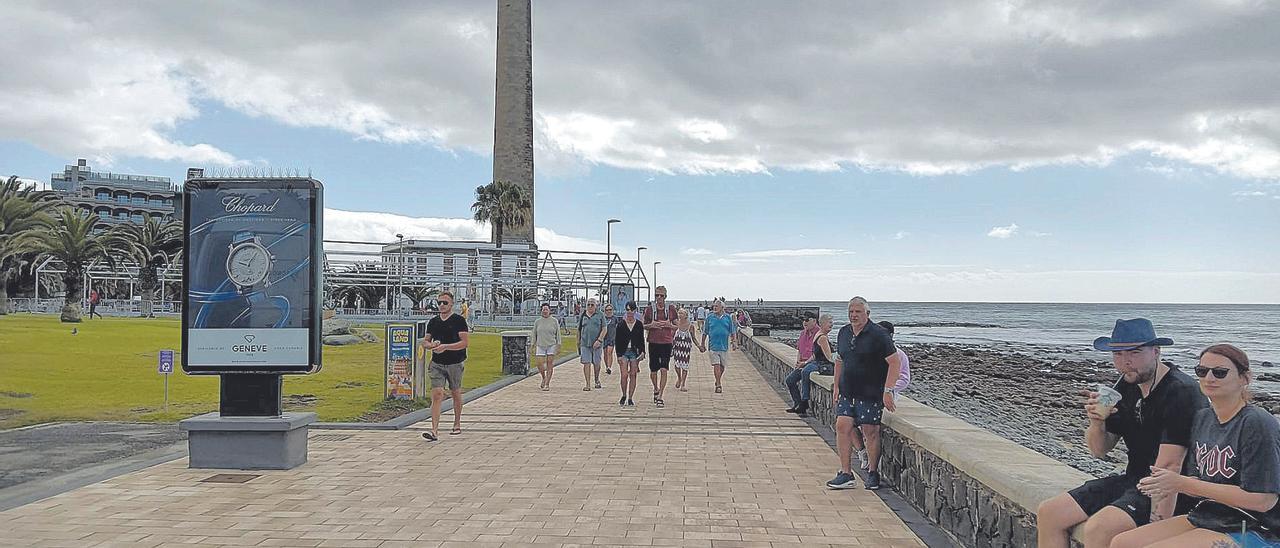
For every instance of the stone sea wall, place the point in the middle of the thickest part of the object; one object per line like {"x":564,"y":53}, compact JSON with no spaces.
{"x":980,"y":488}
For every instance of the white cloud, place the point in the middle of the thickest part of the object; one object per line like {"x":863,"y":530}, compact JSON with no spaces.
{"x":1003,"y":232}
{"x":704,"y":131}
{"x":683,"y":87}
{"x":901,"y":234}
{"x":696,"y":251}
{"x":369,"y":226}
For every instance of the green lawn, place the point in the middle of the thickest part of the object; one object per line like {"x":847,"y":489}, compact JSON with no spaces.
{"x":107,"y":371}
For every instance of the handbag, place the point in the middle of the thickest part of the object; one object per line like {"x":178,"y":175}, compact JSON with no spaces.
{"x":1223,"y":518}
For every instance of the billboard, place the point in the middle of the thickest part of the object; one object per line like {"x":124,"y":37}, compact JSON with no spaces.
{"x":620,"y":295}
{"x":398,"y":376}
{"x":251,"y":275}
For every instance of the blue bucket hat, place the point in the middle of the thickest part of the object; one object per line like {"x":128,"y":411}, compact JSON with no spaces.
{"x":1131,"y":334}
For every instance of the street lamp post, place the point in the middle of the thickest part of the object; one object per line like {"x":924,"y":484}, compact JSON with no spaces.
{"x":608,"y":251}
{"x":400,"y":272}
{"x":655,"y":273}
{"x":633,"y":271}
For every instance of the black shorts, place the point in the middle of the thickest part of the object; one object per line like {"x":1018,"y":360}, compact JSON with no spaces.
{"x":659,"y":357}
{"x":1120,"y":491}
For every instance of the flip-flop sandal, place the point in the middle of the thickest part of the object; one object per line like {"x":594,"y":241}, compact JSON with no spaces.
{"x":455,"y":431}
{"x":586,"y":389}
{"x":659,"y":402}
{"x":718,"y":390}
{"x":429,"y":436}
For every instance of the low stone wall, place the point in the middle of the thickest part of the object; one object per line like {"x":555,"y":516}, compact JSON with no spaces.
{"x":978,"y":487}
{"x":780,"y":317}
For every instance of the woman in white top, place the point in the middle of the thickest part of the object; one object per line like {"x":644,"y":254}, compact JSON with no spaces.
{"x":546,"y":341}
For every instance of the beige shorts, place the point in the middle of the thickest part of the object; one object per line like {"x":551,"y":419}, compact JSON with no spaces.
{"x":441,"y":375}
{"x":719,"y":357}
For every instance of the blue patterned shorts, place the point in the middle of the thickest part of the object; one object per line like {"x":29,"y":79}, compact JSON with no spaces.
{"x":861,"y":411}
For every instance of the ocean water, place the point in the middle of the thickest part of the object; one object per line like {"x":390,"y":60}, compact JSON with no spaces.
{"x":1071,"y":328}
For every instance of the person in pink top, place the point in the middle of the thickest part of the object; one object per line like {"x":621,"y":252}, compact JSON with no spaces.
{"x":804,"y":353}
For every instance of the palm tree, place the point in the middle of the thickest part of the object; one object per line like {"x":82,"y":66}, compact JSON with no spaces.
{"x":154,"y":244}
{"x":72,"y":241}
{"x":363,"y":283}
{"x":23,"y":212}
{"x":417,"y":294}
{"x":502,"y":204}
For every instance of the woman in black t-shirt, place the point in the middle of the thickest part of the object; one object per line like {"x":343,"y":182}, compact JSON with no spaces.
{"x":1233,"y":467}
{"x":629,"y":338}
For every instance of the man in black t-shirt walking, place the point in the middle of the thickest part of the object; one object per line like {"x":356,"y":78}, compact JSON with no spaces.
{"x":447,"y":339}
{"x":867,"y":369}
{"x":1153,"y":417}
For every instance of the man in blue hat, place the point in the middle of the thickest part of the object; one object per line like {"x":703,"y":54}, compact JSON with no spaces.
{"x":1153,"y":418}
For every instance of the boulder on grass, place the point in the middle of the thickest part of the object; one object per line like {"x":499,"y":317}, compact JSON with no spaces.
{"x":367,"y":335}
{"x":342,"y":340}
{"x":335,"y":327}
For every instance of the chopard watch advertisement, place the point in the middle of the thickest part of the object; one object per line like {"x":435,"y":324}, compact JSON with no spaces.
{"x":251,"y":275}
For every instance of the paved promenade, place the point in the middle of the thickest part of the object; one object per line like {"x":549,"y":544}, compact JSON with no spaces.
{"x":532,"y":468}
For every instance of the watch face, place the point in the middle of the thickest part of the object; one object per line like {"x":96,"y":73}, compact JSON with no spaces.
{"x":248,"y":264}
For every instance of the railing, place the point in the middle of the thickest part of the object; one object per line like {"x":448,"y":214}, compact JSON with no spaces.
{"x":108,"y":307}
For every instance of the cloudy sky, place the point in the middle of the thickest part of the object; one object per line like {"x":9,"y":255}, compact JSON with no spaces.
{"x":982,"y":151}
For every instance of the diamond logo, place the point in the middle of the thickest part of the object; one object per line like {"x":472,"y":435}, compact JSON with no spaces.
{"x":248,"y":338}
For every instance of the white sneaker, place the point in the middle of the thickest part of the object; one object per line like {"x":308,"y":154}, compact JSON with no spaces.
{"x":863,"y":463}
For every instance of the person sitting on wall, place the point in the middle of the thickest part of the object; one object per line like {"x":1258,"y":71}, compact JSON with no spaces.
{"x":1154,"y":417}
{"x":1234,"y":475}
{"x":817,"y":359}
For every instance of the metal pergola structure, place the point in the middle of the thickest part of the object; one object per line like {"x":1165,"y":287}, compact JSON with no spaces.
{"x":357,"y":272}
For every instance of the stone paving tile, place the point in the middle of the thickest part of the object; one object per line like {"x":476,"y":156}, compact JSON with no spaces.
{"x":557,"y":468}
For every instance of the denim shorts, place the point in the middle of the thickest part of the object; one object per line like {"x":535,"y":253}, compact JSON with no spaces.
{"x":631,"y":355}
{"x":589,"y":354}
{"x":861,"y":411}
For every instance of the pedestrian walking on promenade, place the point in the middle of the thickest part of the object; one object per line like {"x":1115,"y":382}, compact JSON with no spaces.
{"x":546,"y":344}
{"x":629,"y":335}
{"x":660,"y":322}
{"x":866,"y":370}
{"x":1154,"y":416}
{"x":609,"y":337}
{"x":447,"y":339}
{"x":904,"y":376}
{"x":720,"y":329}
{"x":591,"y":334}
{"x":682,"y":349}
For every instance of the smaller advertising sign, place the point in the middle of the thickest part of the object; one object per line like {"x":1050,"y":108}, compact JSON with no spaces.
{"x":620,"y":295}
{"x":401,"y":354}
{"x":166,"y":362}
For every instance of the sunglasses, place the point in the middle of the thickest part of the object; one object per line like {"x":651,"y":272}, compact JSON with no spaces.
{"x":443,"y":303}
{"x":1218,"y":372}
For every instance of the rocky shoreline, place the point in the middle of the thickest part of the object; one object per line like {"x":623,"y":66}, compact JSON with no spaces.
{"x":1026,"y":399}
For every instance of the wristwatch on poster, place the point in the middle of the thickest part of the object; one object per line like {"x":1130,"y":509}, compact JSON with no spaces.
{"x":248,"y":261}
